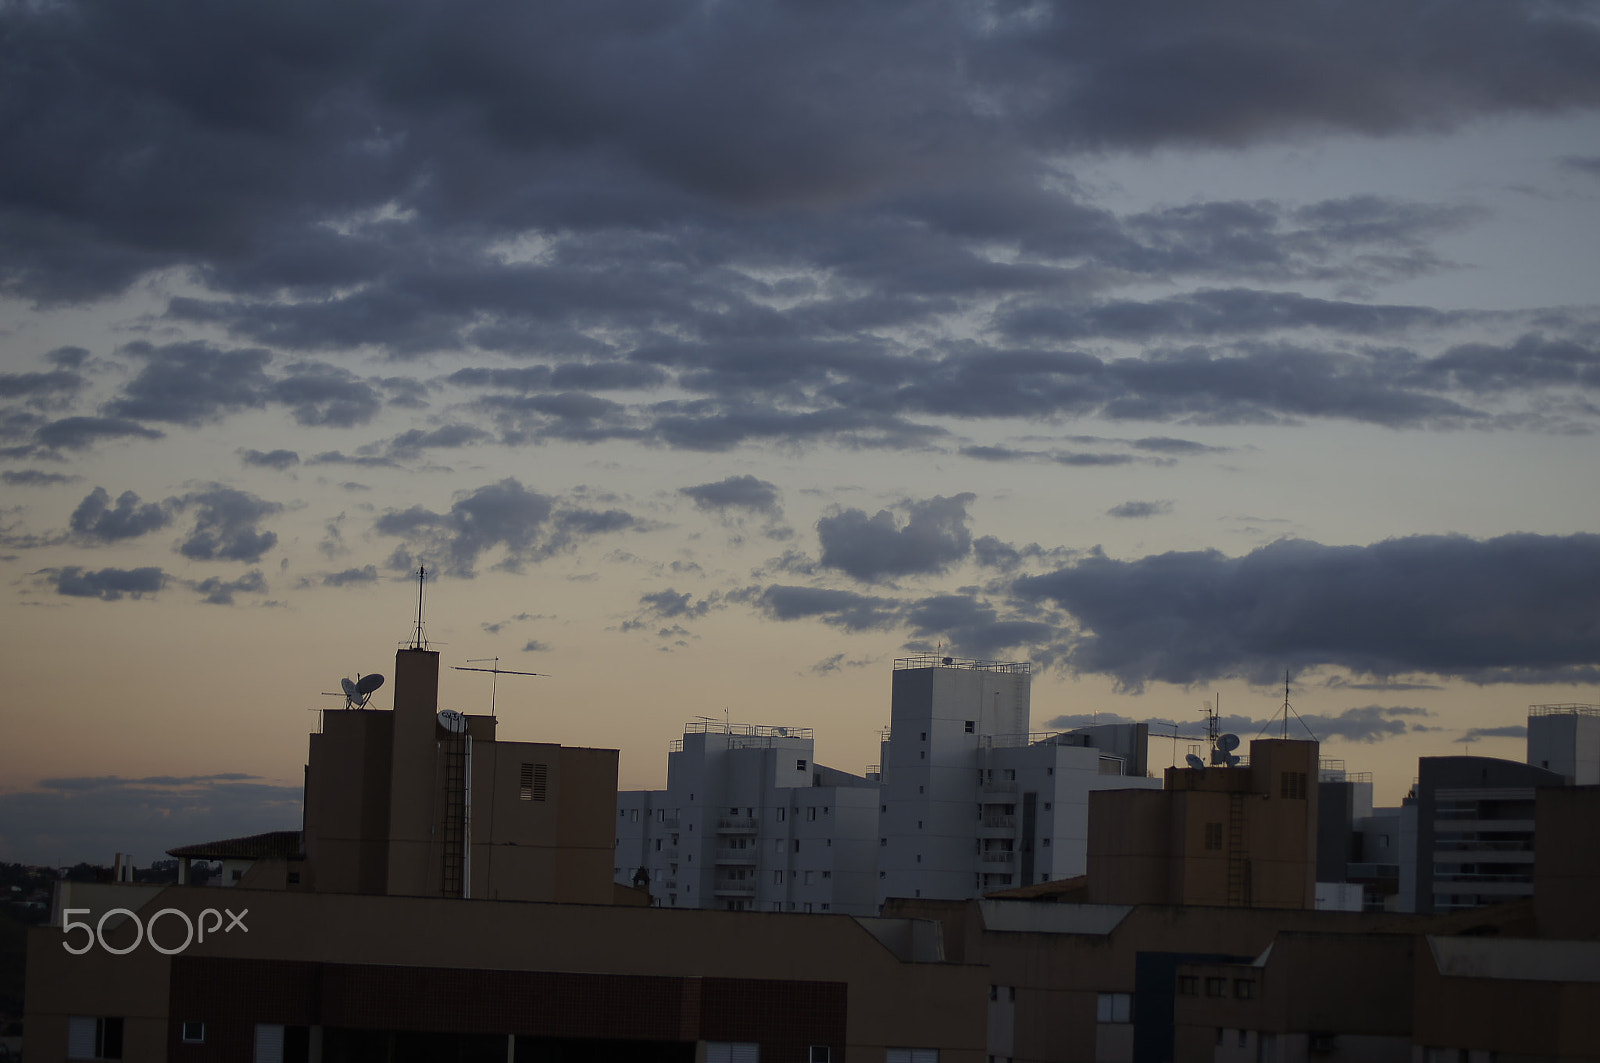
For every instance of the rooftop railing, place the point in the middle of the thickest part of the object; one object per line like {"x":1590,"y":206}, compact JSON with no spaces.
{"x":929,"y":660}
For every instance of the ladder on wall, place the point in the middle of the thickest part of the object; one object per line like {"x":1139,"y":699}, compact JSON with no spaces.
{"x":1238,"y":867}
{"x":454,"y":748}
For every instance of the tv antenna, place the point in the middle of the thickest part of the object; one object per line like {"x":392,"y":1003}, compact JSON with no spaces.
{"x":419,"y":640}
{"x":497,"y":672}
{"x":1222,"y":745}
{"x":1286,"y":710}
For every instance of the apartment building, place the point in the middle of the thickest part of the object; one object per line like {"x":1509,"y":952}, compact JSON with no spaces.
{"x":750,"y":822}
{"x":968,"y":801}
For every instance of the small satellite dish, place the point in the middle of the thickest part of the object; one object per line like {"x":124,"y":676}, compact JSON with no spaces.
{"x":452,"y":721}
{"x":350,"y":691}
{"x":1228,"y":743}
{"x":369,"y":683}
{"x":1194,"y":761}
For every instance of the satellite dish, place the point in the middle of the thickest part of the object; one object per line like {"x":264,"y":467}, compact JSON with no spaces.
{"x":1194,"y":761}
{"x":1228,"y":743}
{"x":350,"y":691}
{"x":452,"y":721}
{"x":368,"y":683}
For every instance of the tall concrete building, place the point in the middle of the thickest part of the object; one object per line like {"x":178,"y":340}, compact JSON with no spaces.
{"x":1565,"y":739}
{"x":967,"y":801}
{"x":1228,"y":836}
{"x":972,"y":801}
{"x":1470,"y":841}
{"x":750,"y":821}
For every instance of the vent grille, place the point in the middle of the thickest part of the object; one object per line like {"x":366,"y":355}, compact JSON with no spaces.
{"x":534,"y":781}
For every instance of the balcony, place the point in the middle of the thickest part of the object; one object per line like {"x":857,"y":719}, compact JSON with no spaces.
{"x":1000,"y":823}
{"x":734,"y":888}
{"x":998,"y":786}
{"x":998,"y":856}
{"x":737,"y":857}
{"x":737,"y":825}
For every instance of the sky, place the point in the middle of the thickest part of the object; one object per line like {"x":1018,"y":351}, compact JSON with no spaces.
{"x":713,"y":355}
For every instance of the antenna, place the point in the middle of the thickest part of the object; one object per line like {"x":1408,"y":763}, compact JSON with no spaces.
{"x":419,"y":641}
{"x":497,"y":672}
{"x":1286,"y":709}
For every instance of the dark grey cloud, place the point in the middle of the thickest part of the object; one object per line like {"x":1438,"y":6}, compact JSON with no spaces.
{"x":670,"y":604}
{"x":736,"y":492}
{"x":1589,"y":164}
{"x":80,"y":433}
{"x":1136,"y":510}
{"x":535,"y":646}
{"x":46,"y":388}
{"x":192,"y":383}
{"x":962,"y":623}
{"x":1509,"y":609}
{"x":1508,"y":731}
{"x":523,"y":525}
{"x":351,"y":577}
{"x":933,"y":537}
{"x":768,"y":214}
{"x":410,"y":443}
{"x":215,"y":591}
{"x":97,"y":520}
{"x":226,"y":525}
{"x":272,"y":459}
{"x":1227,"y":312}
{"x":34,"y":478}
{"x":1366,"y":724}
{"x":107,"y":584}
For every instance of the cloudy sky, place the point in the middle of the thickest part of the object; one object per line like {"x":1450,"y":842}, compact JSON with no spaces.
{"x":715,"y":354}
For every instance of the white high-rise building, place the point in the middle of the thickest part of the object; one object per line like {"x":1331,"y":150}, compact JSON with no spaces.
{"x":968,"y":802}
{"x":750,"y":821}
{"x":1566,"y":739}
{"x":973,"y":802}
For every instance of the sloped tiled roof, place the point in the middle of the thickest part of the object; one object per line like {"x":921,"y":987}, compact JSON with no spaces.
{"x":277,"y":843}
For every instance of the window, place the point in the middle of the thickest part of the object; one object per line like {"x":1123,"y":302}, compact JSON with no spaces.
{"x":1045,"y":843}
{"x":827,"y":874}
{"x":781,"y":813}
{"x":1188,"y":985}
{"x":820,"y":1054}
{"x":1216,"y":987}
{"x":237,"y":874}
{"x":883,"y":874}
{"x":89,"y":1037}
{"x":1010,"y":774}
{"x":922,"y":789}
{"x":811,"y":814}
{"x":1244,"y":988}
{"x":732,"y":1052}
{"x":823,"y":907}
{"x":1213,"y":835}
{"x":924,"y":736}
{"x":268,"y":1043}
{"x":1244,"y":1038}
{"x":883,"y":843}
{"x":294,"y":878}
{"x":534,"y":778}
{"x":194,"y":1033}
{"x":777,"y":878}
{"x":797,"y":845}
{"x":1114,"y":1007}
{"x":799,"y":765}
{"x":808,"y":878}
{"x":971,"y":726}
{"x":1292,"y":784}
{"x":911,"y":1055}
{"x":1047,"y":806}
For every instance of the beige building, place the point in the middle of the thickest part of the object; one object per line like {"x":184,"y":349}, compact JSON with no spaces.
{"x":1226,"y":836}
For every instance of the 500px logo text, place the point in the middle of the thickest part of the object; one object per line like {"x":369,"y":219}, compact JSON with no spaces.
{"x":193,"y":929}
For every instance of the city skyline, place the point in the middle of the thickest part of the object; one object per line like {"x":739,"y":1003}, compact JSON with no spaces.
{"x":714,"y":356}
